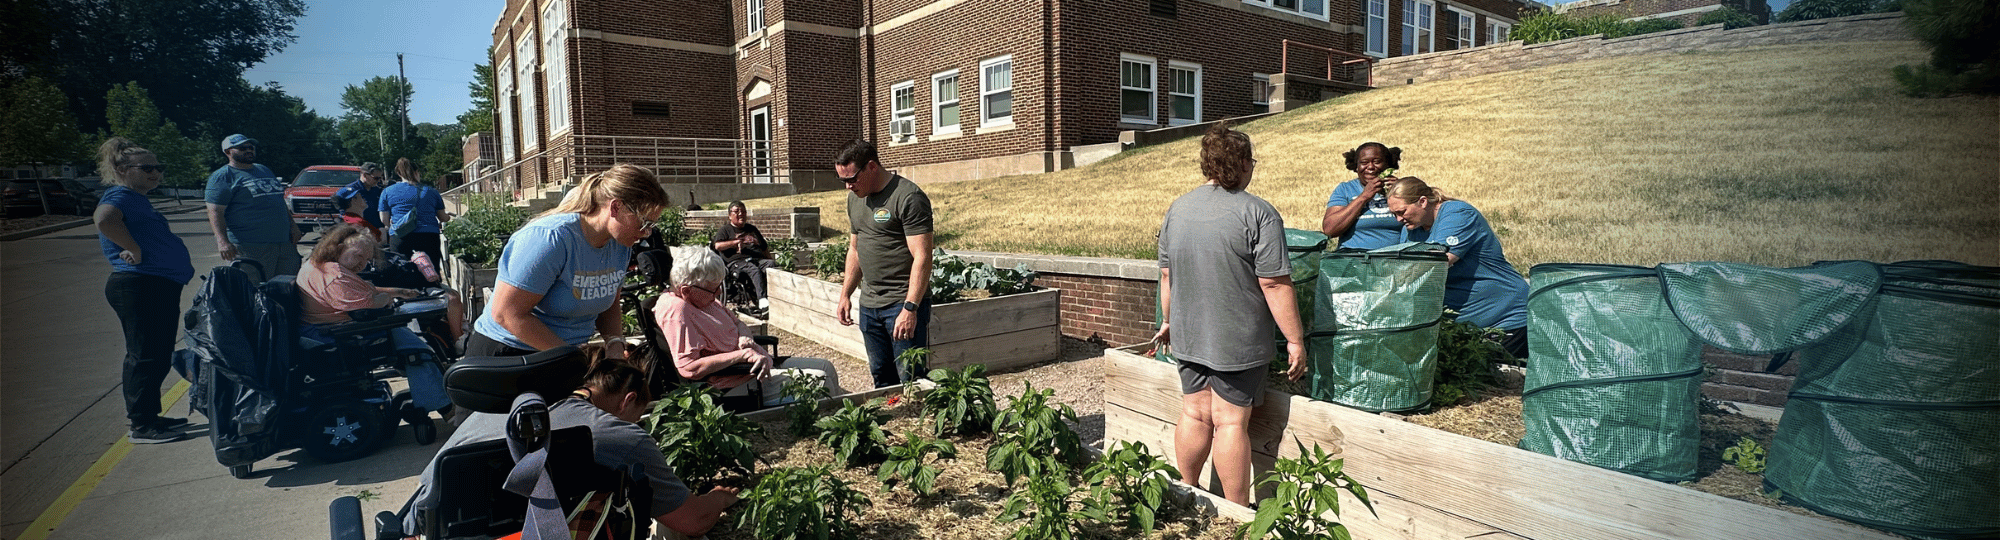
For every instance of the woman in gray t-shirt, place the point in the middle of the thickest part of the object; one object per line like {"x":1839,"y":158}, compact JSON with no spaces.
{"x":1226,"y":285}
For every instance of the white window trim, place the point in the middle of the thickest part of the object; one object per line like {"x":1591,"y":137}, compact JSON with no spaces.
{"x":1153,"y":112}
{"x":1368,"y":41}
{"x":1183,"y":66}
{"x":1468,"y":31}
{"x":531,"y":138}
{"x":899,"y":115}
{"x":1300,"y":11}
{"x":1263,"y":100}
{"x":555,"y":65}
{"x":1413,"y":19}
{"x":505,"y":97}
{"x":984,"y":91}
{"x":754,"y":15}
{"x":939,"y":100}
{"x":1497,"y":31}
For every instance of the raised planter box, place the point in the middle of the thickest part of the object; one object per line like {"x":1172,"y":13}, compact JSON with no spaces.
{"x":1002,"y":333}
{"x":1430,"y":484}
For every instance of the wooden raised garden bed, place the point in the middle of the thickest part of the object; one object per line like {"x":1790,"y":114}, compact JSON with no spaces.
{"x":1002,"y":332}
{"x":1430,"y":484}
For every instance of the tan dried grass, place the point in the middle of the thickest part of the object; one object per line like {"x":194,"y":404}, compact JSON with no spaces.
{"x":1778,"y":155}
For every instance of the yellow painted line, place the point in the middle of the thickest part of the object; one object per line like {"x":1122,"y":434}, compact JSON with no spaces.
{"x":59,"y":510}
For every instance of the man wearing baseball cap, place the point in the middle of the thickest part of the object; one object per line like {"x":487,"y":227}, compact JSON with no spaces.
{"x":369,"y":188}
{"x":247,"y":213}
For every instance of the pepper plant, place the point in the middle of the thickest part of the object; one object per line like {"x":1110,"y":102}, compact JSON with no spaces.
{"x":912,"y":361}
{"x":702,"y":441}
{"x":1746,"y":455}
{"x":1465,"y":359}
{"x":962,"y":402}
{"x":1129,"y":485}
{"x":1305,"y":491}
{"x":906,"y":463}
{"x":1033,"y":439}
{"x":1052,"y":517}
{"x":830,"y":260}
{"x":855,"y":431}
{"x":793,"y":503}
{"x":805,"y":391}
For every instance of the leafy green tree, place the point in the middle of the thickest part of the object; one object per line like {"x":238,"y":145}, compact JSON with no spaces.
{"x":37,"y":127}
{"x":1730,"y":17}
{"x":480,"y":116}
{"x":130,"y":113}
{"x":373,"y":127}
{"x":1962,"y":34}
{"x":290,"y":137}
{"x":444,"y":154}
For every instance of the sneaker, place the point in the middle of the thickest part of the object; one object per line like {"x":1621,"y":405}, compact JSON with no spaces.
{"x":155,"y":435}
{"x":167,"y":422}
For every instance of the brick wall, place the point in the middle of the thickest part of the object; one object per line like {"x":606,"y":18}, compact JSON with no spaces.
{"x":1513,"y":55}
{"x":982,"y":30}
{"x":1742,"y":379}
{"x":775,"y":223}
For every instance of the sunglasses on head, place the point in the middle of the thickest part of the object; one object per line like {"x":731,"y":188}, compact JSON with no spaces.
{"x":148,"y":168}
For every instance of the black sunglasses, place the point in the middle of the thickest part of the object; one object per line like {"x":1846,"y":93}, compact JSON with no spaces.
{"x":148,"y":168}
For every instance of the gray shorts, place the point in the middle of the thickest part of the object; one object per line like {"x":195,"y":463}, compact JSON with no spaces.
{"x":277,"y":259}
{"x":1240,"y":388}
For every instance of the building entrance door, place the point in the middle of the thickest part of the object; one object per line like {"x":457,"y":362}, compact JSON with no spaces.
{"x":760,"y":145}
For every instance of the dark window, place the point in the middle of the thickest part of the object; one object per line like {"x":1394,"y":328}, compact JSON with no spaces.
{"x":651,"y":108}
{"x":1166,"y":8}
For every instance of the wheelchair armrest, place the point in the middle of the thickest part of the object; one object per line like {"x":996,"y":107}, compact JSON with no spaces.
{"x":765,"y":340}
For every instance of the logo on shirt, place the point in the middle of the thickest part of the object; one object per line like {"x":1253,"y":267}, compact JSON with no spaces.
{"x":591,"y":286}
{"x":882,"y":215}
{"x":1451,"y":240}
{"x":1378,"y":204}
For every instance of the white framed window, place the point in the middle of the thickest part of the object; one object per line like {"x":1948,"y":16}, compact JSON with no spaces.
{"x":1418,"y":26}
{"x":1497,"y":32}
{"x":996,"y":91}
{"x":1310,"y":8}
{"x":903,"y":111}
{"x":555,"y":63}
{"x":504,"y":99}
{"x":1260,"y":92}
{"x":1465,"y":30}
{"x":1183,"y":93}
{"x":944,"y":102}
{"x":1138,"y":99}
{"x":524,"y":50}
{"x":1378,"y":28}
{"x":755,"y":11}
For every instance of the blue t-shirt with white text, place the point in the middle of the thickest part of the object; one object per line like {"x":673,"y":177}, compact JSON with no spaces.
{"x":1484,"y":289}
{"x":255,"y":204}
{"x":551,"y":257}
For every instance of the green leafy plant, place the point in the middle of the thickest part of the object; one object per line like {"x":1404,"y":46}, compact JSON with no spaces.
{"x":785,"y":252}
{"x":1746,"y":455}
{"x":1961,"y":35}
{"x":805,"y":392}
{"x":830,"y":260}
{"x":481,"y":233}
{"x":962,"y":402}
{"x":1033,"y":439}
{"x":913,"y":361}
{"x":906,"y":463}
{"x":1805,"y":10}
{"x":1465,"y":359}
{"x":702,"y":441}
{"x":697,"y":238}
{"x":1306,"y":490}
{"x":1128,"y":485}
{"x":672,"y":225}
{"x":1545,"y":26}
{"x":952,"y":276}
{"x":1052,"y":518}
{"x":794,"y":503}
{"x":855,"y":431}
{"x":1730,"y":17}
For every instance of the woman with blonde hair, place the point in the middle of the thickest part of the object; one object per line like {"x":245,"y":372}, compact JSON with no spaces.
{"x":1225,"y":289}
{"x":560,"y":274}
{"x":1481,"y":285}
{"x":149,"y":266}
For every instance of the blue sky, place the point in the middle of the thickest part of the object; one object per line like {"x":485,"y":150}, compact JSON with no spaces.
{"x":345,"y":42}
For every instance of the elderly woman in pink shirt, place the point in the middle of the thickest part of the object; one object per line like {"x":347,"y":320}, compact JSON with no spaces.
{"x":330,"y":285}
{"x":705,"y":337}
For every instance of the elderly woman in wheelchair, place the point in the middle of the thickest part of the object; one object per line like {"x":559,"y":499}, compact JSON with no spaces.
{"x":332,"y":291}
{"x":707,"y":343}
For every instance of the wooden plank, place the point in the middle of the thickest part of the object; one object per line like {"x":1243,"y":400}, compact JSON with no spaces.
{"x":816,"y":326}
{"x":1002,"y":332}
{"x":1002,"y":351}
{"x":1514,"y":490}
{"x":972,"y":319}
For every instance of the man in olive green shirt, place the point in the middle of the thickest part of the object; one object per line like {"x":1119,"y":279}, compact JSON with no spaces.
{"x":888,"y":259}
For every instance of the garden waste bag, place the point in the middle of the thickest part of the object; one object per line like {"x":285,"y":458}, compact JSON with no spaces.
{"x":1373,"y":339}
{"x":1894,"y":419}
{"x":1614,"y":379}
{"x":1305,"y":249}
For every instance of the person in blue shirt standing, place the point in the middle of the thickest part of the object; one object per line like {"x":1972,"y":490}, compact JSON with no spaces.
{"x":1481,"y":285}
{"x":247,"y":213}
{"x":149,"y":266}
{"x":415,"y":214}
{"x":369,"y":188}
{"x":1357,"y":213}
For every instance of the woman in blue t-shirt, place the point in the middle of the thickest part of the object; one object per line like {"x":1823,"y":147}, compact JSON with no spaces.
{"x":149,"y":266}
{"x":1485,"y":290}
{"x":1356,"y":212}
{"x":560,"y":274}
{"x":418,"y":211}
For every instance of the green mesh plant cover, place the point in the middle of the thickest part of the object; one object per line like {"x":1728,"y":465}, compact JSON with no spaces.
{"x":1894,"y":420}
{"x":1614,"y":379}
{"x":1373,"y":340}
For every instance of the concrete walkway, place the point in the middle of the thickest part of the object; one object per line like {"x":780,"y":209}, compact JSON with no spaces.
{"x":62,"y":413}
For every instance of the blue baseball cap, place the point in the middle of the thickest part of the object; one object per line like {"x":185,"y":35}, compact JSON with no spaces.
{"x":236,"y":140}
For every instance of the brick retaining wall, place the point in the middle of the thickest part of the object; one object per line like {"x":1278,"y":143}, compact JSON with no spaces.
{"x":1513,"y":55}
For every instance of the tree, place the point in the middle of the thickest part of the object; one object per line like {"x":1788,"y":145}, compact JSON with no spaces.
{"x":130,"y":113}
{"x":446,"y":154}
{"x":373,"y":127}
{"x":37,"y":128}
{"x":290,"y":136}
{"x":1962,"y":34}
{"x":480,"y":117}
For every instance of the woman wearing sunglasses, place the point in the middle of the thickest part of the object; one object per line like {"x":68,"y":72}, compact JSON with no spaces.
{"x":559,"y":275}
{"x":149,"y":266}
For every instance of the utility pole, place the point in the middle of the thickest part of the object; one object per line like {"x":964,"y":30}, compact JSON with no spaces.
{"x":402,"y":99}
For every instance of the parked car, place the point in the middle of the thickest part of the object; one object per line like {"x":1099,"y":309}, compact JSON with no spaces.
{"x":24,"y":198}
{"x":87,"y":190}
{"x":309,"y":195}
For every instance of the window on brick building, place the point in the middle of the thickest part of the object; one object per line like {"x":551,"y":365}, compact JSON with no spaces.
{"x":903,"y":111}
{"x":524,"y":50}
{"x":555,"y":63}
{"x":944,"y":102}
{"x":1497,"y":32}
{"x":996,"y":91}
{"x":1137,"y":100}
{"x":505,"y":97}
{"x":1311,"y":8}
{"x":1260,"y":92}
{"x":1378,"y":28}
{"x":1418,"y":26}
{"x":1465,"y":30}
{"x":1183,"y":93}
{"x":755,"y":10}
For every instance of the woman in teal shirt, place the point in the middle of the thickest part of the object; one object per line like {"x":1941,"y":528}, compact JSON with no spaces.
{"x":149,"y":266}
{"x":1485,"y":290}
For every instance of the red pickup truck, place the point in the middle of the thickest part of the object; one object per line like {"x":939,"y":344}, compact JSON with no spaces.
{"x":309,"y":195}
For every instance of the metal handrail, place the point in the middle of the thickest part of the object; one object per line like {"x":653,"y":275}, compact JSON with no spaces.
{"x":1285,"y":59}
{"x":672,"y":158}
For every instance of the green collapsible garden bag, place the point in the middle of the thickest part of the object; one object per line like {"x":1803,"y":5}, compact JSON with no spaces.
{"x":1373,"y":340}
{"x":1894,"y":420}
{"x":1305,"y":249}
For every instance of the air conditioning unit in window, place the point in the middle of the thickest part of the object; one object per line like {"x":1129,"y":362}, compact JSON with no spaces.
{"x":903,"y":130}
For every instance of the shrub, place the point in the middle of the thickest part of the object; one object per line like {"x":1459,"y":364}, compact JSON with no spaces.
{"x":673,"y":225}
{"x":1730,"y":17}
{"x":699,"y":439}
{"x":1129,"y":485}
{"x":1545,"y":26}
{"x":1805,"y":10}
{"x":962,"y":402}
{"x":855,"y":431}
{"x":1033,"y":439}
{"x":802,"y":502}
{"x":1305,"y":491}
{"x":1465,"y":357}
{"x":1961,"y":34}
{"x":481,"y":233}
{"x":906,"y":463}
{"x":831,"y":260}
{"x":785,"y":252}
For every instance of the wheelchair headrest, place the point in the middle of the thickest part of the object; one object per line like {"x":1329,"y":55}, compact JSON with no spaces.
{"x":489,"y":384}
{"x":654,"y":265}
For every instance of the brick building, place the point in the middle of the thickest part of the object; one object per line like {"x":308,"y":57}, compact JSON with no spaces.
{"x":951,"y":89}
{"x":1684,"y":11}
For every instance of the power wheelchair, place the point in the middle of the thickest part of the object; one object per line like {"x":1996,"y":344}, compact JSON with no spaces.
{"x":266,"y":389}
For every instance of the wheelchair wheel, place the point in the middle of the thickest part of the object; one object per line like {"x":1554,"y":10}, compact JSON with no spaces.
{"x":240,"y":471}
{"x":343,"y":431}
{"x":398,"y":410}
{"x":426,"y":431}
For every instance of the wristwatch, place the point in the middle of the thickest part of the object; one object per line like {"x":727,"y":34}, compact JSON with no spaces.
{"x":909,"y":306}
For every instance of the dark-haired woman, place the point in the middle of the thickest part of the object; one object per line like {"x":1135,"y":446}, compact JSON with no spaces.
{"x":149,"y":266}
{"x":1356,"y":212}
{"x":1481,"y":285}
{"x":1225,"y":289}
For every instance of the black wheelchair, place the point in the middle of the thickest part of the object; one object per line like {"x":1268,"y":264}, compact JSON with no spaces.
{"x":662,"y":375}
{"x":266,"y":389}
